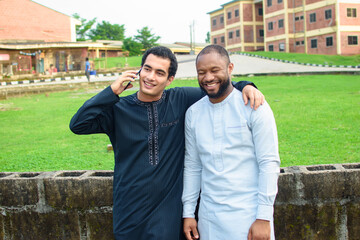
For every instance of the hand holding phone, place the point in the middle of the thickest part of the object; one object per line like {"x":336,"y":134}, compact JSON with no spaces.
{"x":127,"y":85}
{"x":118,"y":85}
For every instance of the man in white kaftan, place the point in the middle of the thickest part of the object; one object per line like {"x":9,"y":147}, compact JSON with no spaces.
{"x":232,"y":157}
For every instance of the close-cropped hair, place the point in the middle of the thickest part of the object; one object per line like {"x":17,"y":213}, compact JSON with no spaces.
{"x":165,"y":53}
{"x":214,"y":48}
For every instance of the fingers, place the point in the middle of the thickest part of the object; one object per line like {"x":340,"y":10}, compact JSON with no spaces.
{"x":259,"y":99}
{"x":190,"y":229}
{"x":120,"y":84}
{"x":253,"y":95}
{"x":245,"y":98}
{"x":195,"y":233}
{"x":249,"y":235}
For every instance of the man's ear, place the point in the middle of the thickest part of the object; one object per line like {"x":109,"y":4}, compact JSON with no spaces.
{"x":230,"y":68}
{"x":169,"y":80}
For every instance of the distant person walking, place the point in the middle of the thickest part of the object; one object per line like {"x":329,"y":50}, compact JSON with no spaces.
{"x":87,"y":69}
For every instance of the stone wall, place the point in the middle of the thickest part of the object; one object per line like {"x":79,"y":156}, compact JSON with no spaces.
{"x":314,"y":202}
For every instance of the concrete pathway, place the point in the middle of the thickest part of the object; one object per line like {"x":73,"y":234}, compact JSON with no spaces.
{"x":246,"y":65}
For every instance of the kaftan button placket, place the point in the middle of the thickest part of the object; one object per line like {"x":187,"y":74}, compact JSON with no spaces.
{"x":218,"y":136}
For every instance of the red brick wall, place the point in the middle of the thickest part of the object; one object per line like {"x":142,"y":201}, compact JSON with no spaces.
{"x":296,"y":48}
{"x":233,"y":19}
{"x":258,"y":18}
{"x":249,"y":49}
{"x":321,"y":45}
{"x":276,"y":30}
{"x":248,"y":34}
{"x":275,"y":44}
{"x":349,"y":21}
{"x":294,"y":3}
{"x":320,"y":18}
{"x":347,"y":49}
{"x":258,"y":38}
{"x":218,"y":38}
{"x":27,"y":20}
{"x":299,"y":25}
{"x":234,"y":39}
{"x":247,"y":12}
{"x":218,"y":24}
{"x":274,"y":7}
{"x":312,"y":1}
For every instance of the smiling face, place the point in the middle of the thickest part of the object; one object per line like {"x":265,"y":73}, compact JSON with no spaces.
{"x":154,"y":78}
{"x":214,"y":72}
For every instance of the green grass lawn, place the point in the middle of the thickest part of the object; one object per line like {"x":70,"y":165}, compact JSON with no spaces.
{"x":318,"y":120}
{"x":313,"y":59}
{"x":118,"y":62}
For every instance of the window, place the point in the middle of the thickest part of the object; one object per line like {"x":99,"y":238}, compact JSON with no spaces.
{"x":215,"y":40}
{"x":237,"y":33}
{"x":260,"y":11}
{"x":236,"y":12}
{"x":281,"y":47}
{"x":222,"y":39}
{"x":214,"y":22}
{"x":299,"y":43}
{"x":269,"y":3}
{"x":351,"y":12}
{"x":313,"y":17}
{"x":299,"y":18}
{"x":328,"y":14}
{"x":281,"y":23}
{"x":221,"y":19}
{"x":271,"y":48}
{"x":261,"y":32}
{"x":270,"y":26}
{"x":229,"y":15}
{"x":280,"y":1}
{"x":352,"y":40}
{"x":329,"y":41}
{"x":230,"y":35}
{"x":313,"y":43}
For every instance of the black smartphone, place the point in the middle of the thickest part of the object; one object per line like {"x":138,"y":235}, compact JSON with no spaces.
{"x":127,"y":85}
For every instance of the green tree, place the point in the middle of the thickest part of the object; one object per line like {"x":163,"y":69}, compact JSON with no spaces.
{"x":82,"y":30}
{"x":132,"y":46}
{"x":146,"y":38}
{"x":107,"y":31}
{"x":207,"y":40}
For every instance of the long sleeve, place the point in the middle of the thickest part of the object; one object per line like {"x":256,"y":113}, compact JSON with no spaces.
{"x":192,"y":171}
{"x":266,"y":149}
{"x":95,"y":116}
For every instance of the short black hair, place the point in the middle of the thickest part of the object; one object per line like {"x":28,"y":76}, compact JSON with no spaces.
{"x":165,"y":53}
{"x":214,"y":48}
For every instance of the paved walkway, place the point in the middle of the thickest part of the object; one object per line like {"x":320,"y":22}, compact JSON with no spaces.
{"x":244,"y":65}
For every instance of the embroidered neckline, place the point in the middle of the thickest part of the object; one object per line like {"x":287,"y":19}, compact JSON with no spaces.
{"x":141,"y":103}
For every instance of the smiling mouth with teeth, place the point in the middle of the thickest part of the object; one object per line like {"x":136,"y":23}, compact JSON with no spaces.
{"x":211,"y":84}
{"x":148,"y":84}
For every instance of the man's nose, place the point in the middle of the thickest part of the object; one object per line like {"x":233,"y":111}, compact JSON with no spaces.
{"x":208,"y":76}
{"x":151,"y":75}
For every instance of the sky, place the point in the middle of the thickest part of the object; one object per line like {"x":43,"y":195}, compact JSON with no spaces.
{"x":168,"y":19}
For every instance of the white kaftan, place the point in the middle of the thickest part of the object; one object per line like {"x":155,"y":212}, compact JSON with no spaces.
{"x":232,"y":156}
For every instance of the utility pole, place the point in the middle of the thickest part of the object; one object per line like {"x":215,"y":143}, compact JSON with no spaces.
{"x":192,"y":38}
